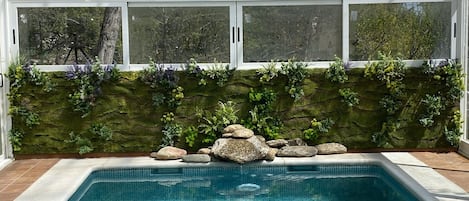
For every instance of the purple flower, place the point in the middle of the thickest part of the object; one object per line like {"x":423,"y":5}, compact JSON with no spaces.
{"x":347,"y":65}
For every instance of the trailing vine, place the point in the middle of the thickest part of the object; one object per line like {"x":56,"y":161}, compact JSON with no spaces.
{"x":453,"y":130}
{"x":260,"y":117}
{"x":336,"y":73}
{"x":390,"y":72}
{"x":450,"y":75}
{"x":21,"y":76}
{"x":296,"y":73}
{"x":168,"y":94}
{"x":87,"y":81}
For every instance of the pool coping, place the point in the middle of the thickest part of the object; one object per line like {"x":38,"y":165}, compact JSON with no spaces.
{"x":64,"y":178}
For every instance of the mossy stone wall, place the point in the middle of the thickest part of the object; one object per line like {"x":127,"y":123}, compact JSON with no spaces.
{"x":126,"y":107}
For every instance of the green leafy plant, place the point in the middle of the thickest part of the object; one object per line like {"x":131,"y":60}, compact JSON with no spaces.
{"x":171,"y":130}
{"x":336,"y":71}
{"x":268,"y":72}
{"x":296,"y":73}
{"x":16,"y":137}
{"x":453,"y":130}
{"x":391,"y":104}
{"x":389,"y":71}
{"x":87,"y":81}
{"x":450,"y":74}
{"x":21,"y":76}
{"x":382,"y":138}
{"x":434,"y":105}
{"x":217,"y":72}
{"x":260,"y":119}
{"x":211,"y":125}
{"x":83,"y":144}
{"x":191,"y":134}
{"x":317,"y":128}
{"x":101,"y":130}
{"x":349,"y":97}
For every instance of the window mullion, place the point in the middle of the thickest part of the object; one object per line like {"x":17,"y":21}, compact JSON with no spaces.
{"x":125,"y":38}
{"x":345,"y":30}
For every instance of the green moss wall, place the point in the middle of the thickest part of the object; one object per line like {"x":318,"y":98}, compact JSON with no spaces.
{"x":126,"y":108}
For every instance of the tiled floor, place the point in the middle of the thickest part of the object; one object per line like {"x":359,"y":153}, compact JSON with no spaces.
{"x":451,"y":165}
{"x":20,"y":174}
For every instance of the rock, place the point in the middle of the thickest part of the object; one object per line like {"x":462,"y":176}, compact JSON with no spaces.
{"x":196,"y":158}
{"x":231,"y":128}
{"x":170,"y":153}
{"x":227,"y":135}
{"x":243,"y":133}
{"x":240,"y":150}
{"x":204,"y":151}
{"x":277,"y":143}
{"x":297,"y":142}
{"x":153,"y":154}
{"x":261,"y":138}
{"x":297,"y":151}
{"x":331,"y":148}
{"x":271,"y":154}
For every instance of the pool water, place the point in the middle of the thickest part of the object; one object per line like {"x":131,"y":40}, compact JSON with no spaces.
{"x":291,"y":183}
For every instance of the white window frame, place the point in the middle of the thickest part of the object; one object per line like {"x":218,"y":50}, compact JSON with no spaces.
{"x":191,"y":4}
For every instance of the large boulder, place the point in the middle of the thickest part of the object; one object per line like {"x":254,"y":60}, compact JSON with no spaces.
{"x":277,"y":143}
{"x":331,"y":148}
{"x":297,"y":151}
{"x":240,"y":150}
{"x":170,"y":153}
{"x":196,"y":158}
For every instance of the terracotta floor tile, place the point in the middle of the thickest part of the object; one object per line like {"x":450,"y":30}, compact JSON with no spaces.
{"x":16,"y":188}
{"x":2,"y":186}
{"x":8,"y":196}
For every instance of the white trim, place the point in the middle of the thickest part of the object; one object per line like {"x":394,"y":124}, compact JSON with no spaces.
{"x":345,"y":31}
{"x":394,"y":1}
{"x":125,"y":37}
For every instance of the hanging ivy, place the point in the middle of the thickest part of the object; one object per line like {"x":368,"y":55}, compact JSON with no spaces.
{"x":87,"y":81}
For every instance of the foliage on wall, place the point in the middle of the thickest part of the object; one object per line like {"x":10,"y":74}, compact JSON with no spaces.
{"x":194,"y":116}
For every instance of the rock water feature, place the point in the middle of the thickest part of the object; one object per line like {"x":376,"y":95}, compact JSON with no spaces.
{"x":241,"y":145}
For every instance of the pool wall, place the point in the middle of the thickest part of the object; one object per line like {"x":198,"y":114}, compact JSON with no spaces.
{"x":62,"y":180}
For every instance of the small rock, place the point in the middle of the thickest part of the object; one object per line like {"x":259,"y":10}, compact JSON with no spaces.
{"x":196,"y":158}
{"x":297,"y":142}
{"x":227,"y":135}
{"x":331,"y":148}
{"x":277,"y":143}
{"x":297,"y":151}
{"x":153,"y":154}
{"x":243,"y":133}
{"x":204,"y":151}
{"x":271,"y":154}
{"x":170,"y":153}
{"x":231,"y":128}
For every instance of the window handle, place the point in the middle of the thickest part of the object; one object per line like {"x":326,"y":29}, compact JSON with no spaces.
{"x":238,"y":34}
{"x":233,"y":31}
{"x":1,"y":79}
{"x":14,"y":37}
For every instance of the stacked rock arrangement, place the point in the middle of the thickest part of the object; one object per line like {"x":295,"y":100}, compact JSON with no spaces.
{"x":240,"y":145}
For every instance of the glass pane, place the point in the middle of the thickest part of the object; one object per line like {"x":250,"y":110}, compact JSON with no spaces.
{"x":174,"y":35}
{"x":406,"y":30}
{"x":70,"y":35}
{"x":306,"y":33}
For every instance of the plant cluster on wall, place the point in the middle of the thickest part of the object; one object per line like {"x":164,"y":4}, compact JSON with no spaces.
{"x":104,"y":110}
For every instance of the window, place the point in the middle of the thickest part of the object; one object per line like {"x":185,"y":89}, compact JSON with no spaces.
{"x":306,"y":33}
{"x":406,"y":30}
{"x":57,"y":36}
{"x":176,"y":34}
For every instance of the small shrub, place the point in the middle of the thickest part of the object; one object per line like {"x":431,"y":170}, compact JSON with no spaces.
{"x":171,"y":130}
{"x":16,"y":137}
{"x":317,"y":128}
{"x":434,"y":105}
{"x":83,"y":144}
{"x":102,"y":131}
{"x":349,"y":97}
{"x":336,"y":71}
{"x":267,"y":72}
{"x":453,"y":130}
{"x":191,"y":134}
{"x":212,"y":125}
{"x":296,"y":73}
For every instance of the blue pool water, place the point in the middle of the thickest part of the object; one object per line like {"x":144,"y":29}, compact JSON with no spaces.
{"x":291,"y":183}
